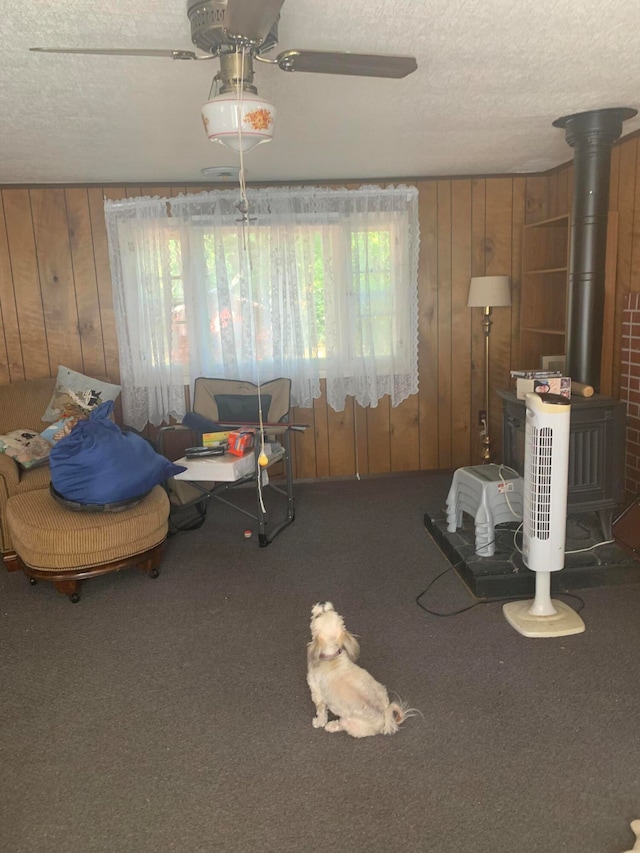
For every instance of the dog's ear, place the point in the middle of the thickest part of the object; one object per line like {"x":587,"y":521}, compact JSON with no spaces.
{"x":313,"y":650}
{"x":351,"y":645}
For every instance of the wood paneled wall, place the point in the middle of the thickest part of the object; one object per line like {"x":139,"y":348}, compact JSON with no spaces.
{"x":56,"y":308}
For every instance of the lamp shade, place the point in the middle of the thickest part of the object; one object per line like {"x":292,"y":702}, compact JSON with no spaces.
{"x":238,"y":123}
{"x":491,"y":291}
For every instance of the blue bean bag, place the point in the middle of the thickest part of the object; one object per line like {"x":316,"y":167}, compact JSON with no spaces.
{"x":100,"y":466}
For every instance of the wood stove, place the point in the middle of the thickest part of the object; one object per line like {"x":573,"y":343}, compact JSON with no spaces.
{"x":598,"y":423}
{"x":596,"y":452}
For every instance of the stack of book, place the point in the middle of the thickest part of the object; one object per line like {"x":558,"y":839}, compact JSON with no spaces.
{"x":541,"y":382}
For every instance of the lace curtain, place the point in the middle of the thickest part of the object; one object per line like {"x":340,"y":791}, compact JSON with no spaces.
{"x":315,"y":282}
{"x":151,"y":374}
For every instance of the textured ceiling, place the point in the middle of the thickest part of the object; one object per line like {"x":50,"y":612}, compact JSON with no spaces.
{"x":491,"y":79}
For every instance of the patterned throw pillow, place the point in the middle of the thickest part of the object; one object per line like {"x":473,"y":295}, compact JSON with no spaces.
{"x":77,"y":395}
{"x":59,"y":429}
{"x":26,"y":447}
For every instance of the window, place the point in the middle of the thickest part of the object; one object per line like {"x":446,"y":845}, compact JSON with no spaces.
{"x":320,"y":282}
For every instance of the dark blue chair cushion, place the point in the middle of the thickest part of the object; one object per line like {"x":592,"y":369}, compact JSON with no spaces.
{"x":200,"y":424}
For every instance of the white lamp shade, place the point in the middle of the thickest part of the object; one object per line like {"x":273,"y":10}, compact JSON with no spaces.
{"x":489,"y":290}
{"x":240,"y":124}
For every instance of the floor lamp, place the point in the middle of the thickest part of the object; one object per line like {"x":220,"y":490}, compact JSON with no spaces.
{"x":487,"y":292}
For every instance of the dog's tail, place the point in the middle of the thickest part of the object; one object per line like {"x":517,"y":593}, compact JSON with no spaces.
{"x":395,"y":716}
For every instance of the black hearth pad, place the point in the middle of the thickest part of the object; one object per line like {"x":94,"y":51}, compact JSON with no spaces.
{"x":504,"y":574}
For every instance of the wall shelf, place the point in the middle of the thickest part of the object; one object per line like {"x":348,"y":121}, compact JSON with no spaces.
{"x":543,"y":298}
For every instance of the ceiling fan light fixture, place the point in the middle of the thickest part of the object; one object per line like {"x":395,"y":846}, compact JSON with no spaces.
{"x":240,"y":123}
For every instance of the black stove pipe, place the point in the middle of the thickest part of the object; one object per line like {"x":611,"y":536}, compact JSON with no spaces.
{"x":591,"y":135}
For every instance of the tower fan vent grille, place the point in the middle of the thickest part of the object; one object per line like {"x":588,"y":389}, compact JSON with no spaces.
{"x":538,"y":519}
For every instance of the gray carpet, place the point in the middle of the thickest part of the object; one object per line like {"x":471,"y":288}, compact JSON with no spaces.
{"x":173,"y":714}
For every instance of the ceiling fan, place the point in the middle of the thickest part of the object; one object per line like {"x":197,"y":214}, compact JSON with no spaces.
{"x":237,"y":32}
{"x":220,"y":27}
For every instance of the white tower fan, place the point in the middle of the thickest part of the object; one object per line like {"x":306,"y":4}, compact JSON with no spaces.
{"x":544,"y":522}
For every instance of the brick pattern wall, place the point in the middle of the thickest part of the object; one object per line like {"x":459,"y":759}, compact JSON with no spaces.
{"x":630,"y":388}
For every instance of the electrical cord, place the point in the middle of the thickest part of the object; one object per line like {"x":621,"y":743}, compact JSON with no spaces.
{"x":505,"y":494}
{"x":489,"y":601}
{"x":591,"y":547}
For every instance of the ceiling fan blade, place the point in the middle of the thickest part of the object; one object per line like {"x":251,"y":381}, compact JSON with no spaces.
{"x":343,"y":62}
{"x":251,"y":19}
{"x":171,"y":54}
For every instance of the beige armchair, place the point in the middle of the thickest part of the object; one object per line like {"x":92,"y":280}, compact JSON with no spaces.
{"x":22,"y":405}
{"x":94,"y":543}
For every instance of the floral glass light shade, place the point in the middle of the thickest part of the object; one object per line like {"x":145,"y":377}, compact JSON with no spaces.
{"x":239,"y":123}
{"x":493,"y":291}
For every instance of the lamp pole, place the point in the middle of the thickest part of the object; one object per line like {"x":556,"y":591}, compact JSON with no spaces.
{"x":486,"y":440}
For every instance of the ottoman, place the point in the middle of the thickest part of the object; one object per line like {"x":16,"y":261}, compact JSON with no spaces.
{"x":62,"y":546}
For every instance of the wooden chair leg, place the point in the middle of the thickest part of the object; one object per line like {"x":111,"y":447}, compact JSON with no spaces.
{"x":150,"y":565}
{"x":11,"y":561}
{"x":69,"y":588}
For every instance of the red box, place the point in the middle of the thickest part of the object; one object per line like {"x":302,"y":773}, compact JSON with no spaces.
{"x":241,"y":441}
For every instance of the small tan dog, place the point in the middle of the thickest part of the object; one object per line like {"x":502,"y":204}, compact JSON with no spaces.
{"x":635,"y":828}
{"x":338,"y":685}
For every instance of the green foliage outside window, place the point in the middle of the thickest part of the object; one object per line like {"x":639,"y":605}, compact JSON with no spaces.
{"x":371,"y":258}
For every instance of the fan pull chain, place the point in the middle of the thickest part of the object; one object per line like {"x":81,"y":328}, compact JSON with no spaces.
{"x":243,"y":207}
